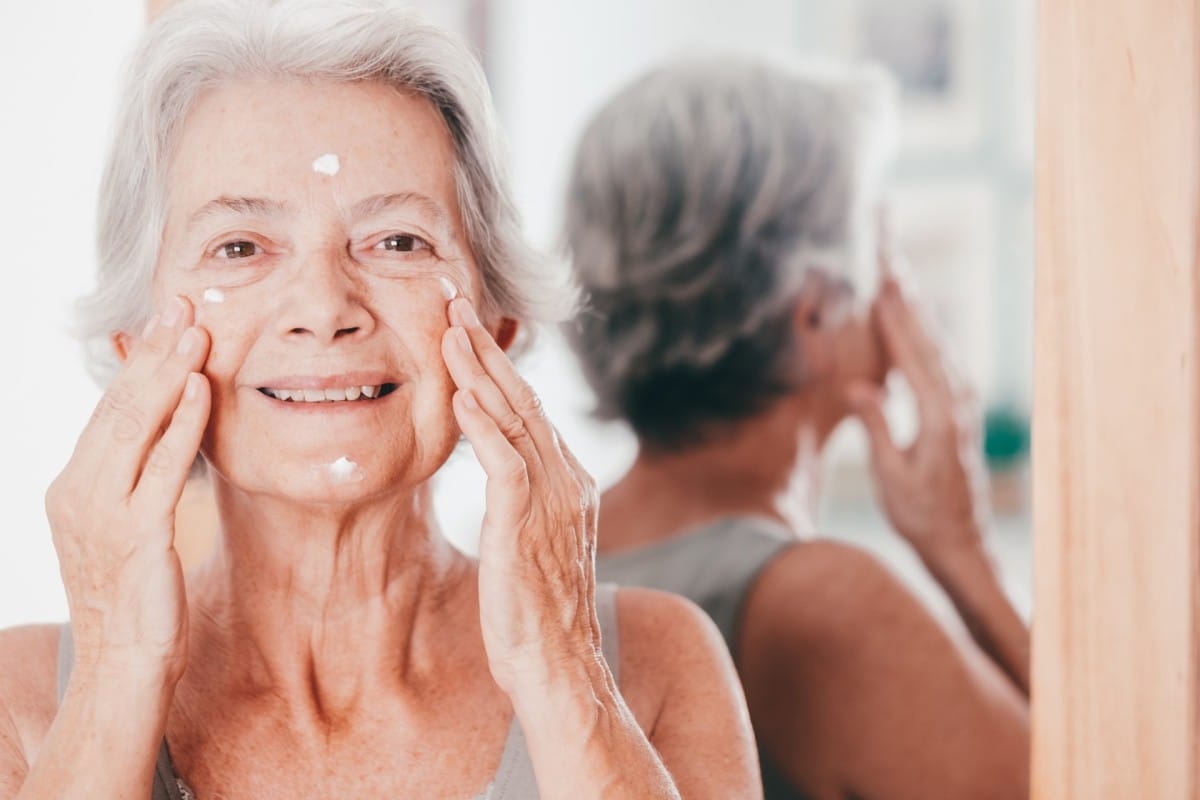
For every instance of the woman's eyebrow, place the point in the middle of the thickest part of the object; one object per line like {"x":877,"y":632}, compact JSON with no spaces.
{"x":245,"y":206}
{"x":379,"y":203}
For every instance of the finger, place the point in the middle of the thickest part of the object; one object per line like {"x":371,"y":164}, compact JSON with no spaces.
{"x":520,"y":396}
{"x":170,"y":460}
{"x":866,"y":403}
{"x":131,"y":414}
{"x":914,"y":352}
{"x":468,"y":374}
{"x":507,"y":491}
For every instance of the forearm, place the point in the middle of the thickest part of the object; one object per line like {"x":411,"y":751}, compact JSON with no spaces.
{"x":585,"y":743}
{"x":970,"y":579}
{"x":103,"y":742}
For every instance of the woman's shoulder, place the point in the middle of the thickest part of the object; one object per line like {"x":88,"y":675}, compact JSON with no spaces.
{"x":28,"y":685}
{"x":824,"y":588}
{"x":665,"y":641}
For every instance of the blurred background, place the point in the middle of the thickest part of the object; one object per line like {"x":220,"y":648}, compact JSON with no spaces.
{"x":959,"y":195}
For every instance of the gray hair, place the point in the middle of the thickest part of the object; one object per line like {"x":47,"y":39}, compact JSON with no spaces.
{"x":700,"y":197}
{"x":202,"y":44}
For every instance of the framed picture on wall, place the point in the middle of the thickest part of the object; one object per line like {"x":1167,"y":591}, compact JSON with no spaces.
{"x":933,"y":49}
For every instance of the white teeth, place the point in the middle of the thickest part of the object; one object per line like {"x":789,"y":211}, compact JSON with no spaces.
{"x":325,"y":395}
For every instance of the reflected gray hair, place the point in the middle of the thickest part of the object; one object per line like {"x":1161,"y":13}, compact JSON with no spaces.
{"x":200,"y":45}
{"x":700,"y":197}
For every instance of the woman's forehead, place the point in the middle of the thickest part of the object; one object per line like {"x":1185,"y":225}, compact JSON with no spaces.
{"x":292,"y":140}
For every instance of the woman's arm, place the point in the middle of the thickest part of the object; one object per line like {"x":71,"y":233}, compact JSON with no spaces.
{"x":855,"y":690}
{"x":934,"y":490}
{"x":537,"y":585}
{"x":111,"y":513}
{"x":686,"y":697}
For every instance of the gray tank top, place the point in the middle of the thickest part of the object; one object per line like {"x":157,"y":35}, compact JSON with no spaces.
{"x":514,"y":779}
{"x":714,"y":566}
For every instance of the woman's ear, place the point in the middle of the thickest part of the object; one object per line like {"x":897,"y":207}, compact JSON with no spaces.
{"x":121,"y":343}
{"x":815,"y":319}
{"x":506,"y":333}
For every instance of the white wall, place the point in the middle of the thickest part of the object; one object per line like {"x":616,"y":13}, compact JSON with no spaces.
{"x":58,"y":67}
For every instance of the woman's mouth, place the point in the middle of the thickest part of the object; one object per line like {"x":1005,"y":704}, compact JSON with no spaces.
{"x":346,"y":394}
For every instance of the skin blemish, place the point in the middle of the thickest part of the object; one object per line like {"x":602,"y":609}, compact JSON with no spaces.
{"x":449,"y":290}
{"x":327,"y":164}
{"x":214,"y":295}
{"x":344,"y":471}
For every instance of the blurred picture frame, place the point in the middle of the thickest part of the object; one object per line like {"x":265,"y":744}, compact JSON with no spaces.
{"x":933,"y":48}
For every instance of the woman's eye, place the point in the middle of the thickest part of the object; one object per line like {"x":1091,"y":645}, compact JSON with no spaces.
{"x":403,"y":243}
{"x":233,"y":250}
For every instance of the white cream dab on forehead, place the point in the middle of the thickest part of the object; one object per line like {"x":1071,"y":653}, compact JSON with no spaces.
{"x":344,"y":470}
{"x":214,"y":296}
{"x":327,"y":164}
{"x":449,"y":290}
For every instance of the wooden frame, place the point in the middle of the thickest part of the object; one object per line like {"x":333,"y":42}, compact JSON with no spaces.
{"x":1117,"y":399}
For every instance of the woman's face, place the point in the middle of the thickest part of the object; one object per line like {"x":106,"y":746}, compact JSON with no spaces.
{"x":315,"y":228}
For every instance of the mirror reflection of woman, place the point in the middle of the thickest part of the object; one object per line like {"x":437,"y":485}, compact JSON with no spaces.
{"x":716,"y":212}
{"x":310,"y":271}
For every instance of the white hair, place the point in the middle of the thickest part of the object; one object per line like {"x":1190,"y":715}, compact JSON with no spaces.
{"x":202,"y":44}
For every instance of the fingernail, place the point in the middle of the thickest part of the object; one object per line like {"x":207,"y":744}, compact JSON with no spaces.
{"x":464,"y":341}
{"x":151,"y":326}
{"x":467,"y":312}
{"x":188,"y":342}
{"x":191,"y":389}
{"x":174,"y":312}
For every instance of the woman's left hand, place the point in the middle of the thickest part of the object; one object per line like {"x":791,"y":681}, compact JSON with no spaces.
{"x":537,"y":545}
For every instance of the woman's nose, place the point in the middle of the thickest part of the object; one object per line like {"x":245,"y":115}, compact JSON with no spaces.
{"x":325,"y":301}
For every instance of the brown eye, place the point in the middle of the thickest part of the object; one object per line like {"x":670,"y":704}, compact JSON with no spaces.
{"x":403,"y":243}
{"x":238,"y":249}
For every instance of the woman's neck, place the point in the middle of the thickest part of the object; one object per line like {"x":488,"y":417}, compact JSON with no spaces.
{"x":767,"y":466}
{"x":324,"y":606}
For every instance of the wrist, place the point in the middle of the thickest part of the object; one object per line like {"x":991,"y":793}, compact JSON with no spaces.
{"x":578,"y":686}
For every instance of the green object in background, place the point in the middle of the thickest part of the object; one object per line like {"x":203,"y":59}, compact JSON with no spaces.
{"x":1005,"y":437}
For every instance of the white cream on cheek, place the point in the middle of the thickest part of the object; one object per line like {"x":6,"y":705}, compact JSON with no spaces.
{"x":327,"y":164}
{"x":214,"y":295}
{"x":449,"y":290}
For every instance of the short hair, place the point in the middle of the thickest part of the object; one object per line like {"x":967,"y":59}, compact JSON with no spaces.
{"x":202,"y":44}
{"x":699,"y":198}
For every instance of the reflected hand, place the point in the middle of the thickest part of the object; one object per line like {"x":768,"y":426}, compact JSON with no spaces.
{"x":934,"y":490}
{"x":537,"y":545}
{"x":112,"y":508}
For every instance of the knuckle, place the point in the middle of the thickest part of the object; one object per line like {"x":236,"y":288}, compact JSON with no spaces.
{"x":161,"y":461}
{"x":515,"y":471}
{"x":528,"y":403}
{"x":511,"y":425}
{"x":118,"y":407}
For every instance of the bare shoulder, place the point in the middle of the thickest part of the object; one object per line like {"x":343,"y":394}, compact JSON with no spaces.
{"x":825,"y":590}
{"x":855,"y":687}
{"x":660,"y":634}
{"x":28,"y":685}
{"x":678,"y":679}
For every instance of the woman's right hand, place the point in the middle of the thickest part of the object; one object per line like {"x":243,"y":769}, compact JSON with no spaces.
{"x":112,"y":508}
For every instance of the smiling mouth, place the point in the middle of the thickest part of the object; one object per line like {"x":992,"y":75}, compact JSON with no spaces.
{"x":348,"y":394}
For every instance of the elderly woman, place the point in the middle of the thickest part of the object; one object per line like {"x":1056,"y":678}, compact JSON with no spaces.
{"x":310,"y":269}
{"x":715,"y":213}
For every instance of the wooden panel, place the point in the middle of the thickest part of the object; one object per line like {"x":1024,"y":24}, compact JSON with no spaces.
{"x":1116,"y":401}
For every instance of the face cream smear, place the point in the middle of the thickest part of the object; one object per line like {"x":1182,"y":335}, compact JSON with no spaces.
{"x":344,"y":470}
{"x":327,"y":164}
{"x":449,"y":290}
{"x":214,"y":296}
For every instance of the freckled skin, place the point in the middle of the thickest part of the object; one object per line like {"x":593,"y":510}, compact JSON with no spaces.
{"x":264,"y":328}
